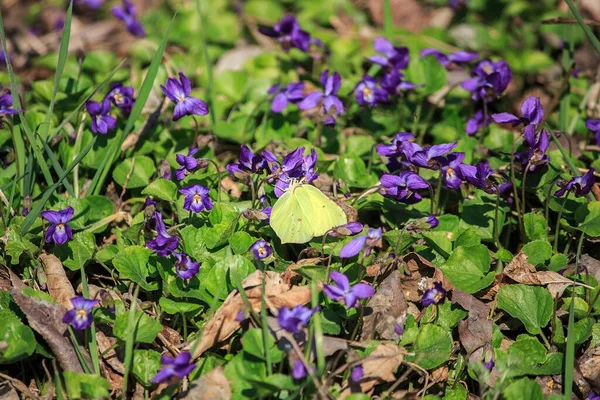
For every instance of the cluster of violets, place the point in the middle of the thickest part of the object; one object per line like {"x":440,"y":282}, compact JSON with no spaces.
{"x":173,"y":368}
{"x":294,"y":165}
{"x":403,"y":183}
{"x":125,"y":13}
{"x":120,"y":96}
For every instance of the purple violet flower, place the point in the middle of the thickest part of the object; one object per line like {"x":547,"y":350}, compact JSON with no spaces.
{"x":593,"y":396}
{"x":367,"y":92}
{"x":480,"y":177}
{"x":477,"y":122}
{"x":435,"y":295}
{"x":395,"y":150}
{"x":261,"y":249}
{"x":59,"y":231}
{"x":403,"y":187}
{"x":532,"y":112}
{"x":196,"y":198}
{"x":489,"y":80}
{"x":394,"y":58}
{"x":288,"y":33}
{"x":452,"y":170}
{"x":92,"y":4}
{"x":458,"y":57}
{"x":294,"y":166}
{"x":341,"y":290}
{"x":80,"y":316}
{"x":174,"y":368}
{"x":368,"y":242}
{"x":331,"y":105}
{"x":127,"y":14}
{"x":394,"y":83}
{"x":535,"y":156}
{"x":164,"y":244}
{"x":248,"y":163}
{"x":299,"y":371}
{"x":432,"y":221}
{"x":189,"y":164}
{"x":357,"y":374}
{"x":292,"y":93}
{"x":121,"y":96}
{"x":428,"y":157}
{"x":102,"y":121}
{"x":185,"y":267}
{"x":350,"y":229}
{"x":294,"y":319}
{"x":580,"y":184}
{"x":178,"y":91}
{"x":594,"y":126}
{"x":6,"y":103}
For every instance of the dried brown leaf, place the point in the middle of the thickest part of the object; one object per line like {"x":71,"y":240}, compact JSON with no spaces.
{"x":589,"y":366}
{"x":211,"y":386}
{"x":46,"y":319}
{"x":420,"y":268}
{"x":385,"y":309}
{"x":521,"y":271}
{"x":106,"y":346}
{"x":223,"y":323}
{"x":289,"y":276}
{"x":59,"y":286}
{"x":378,"y":367}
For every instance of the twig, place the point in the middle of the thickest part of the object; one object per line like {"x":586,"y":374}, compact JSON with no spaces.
{"x":570,"y":21}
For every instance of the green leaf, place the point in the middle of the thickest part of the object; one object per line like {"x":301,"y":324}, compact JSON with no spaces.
{"x":240,"y":242}
{"x":523,"y":389}
{"x":527,"y":356}
{"x":426,"y":71}
{"x":147,"y":327}
{"x":17,"y":245}
{"x":78,"y":251}
{"x":18,"y":338}
{"x":448,"y":315}
{"x":162,"y":189}
{"x":219,"y":234}
{"x":146,"y":364}
{"x":136,"y":172}
{"x":132,"y":264}
{"x":253,"y":344}
{"x":536,"y":227}
{"x":558,"y":262}
{"x":467,"y":268}
{"x":433,"y":347}
{"x":532,"y":305}
{"x":457,"y":393}
{"x":538,"y":252}
{"x":85,"y":386}
{"x":177,"y":307}
{"x":591,"y":223}
{"x":352,"y":170}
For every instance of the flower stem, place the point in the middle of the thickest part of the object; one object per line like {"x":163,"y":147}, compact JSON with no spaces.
{"x":560,"y":212}
{"x":416,"y":120}
{"x":496,"y":223}
{"x":514,"y":186}
{"x":438,"y":193}
{"x":523,"y":201}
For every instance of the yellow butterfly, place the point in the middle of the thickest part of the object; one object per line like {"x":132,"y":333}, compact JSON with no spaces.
{"x":304,"y":212}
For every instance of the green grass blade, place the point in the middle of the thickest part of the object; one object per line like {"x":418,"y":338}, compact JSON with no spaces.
{"x":93,"y":346}
{"x":129,"y":342}
{"x":20,"y":156}
{"x":570,"y":350}
{"x":37,"y":209}
{"x":209,"y":70}
{"x":17,"y":104}
{"x":387,"y":19}
{"x":586,"y":29}
{"x":60,"y":67}
{"x":143,"y":95}
{"x":57,"y":167}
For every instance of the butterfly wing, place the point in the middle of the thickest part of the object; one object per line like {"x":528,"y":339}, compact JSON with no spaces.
{"x":320,"y":211}
{"x":289,"y":221}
